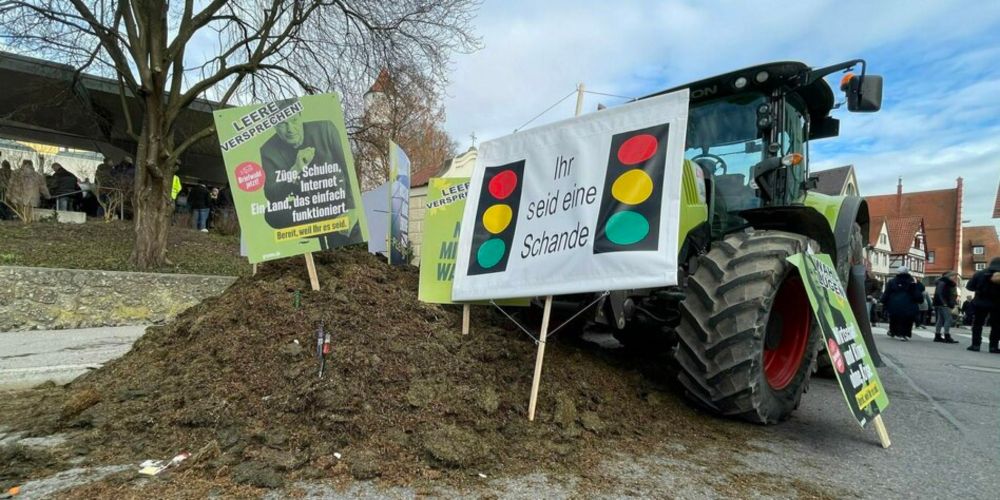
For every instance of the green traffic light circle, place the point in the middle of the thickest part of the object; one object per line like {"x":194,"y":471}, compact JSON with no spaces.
{"x":626,"y":228}
{"x":490,"y":253}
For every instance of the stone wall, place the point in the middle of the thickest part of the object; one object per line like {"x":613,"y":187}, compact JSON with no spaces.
{"x":34,"y":298}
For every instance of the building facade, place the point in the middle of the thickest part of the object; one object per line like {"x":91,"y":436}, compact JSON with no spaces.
{"x":908,"y":246}
{"x":941,"y":213}
{"x":980,"y":245}
{"x":878,"y":250}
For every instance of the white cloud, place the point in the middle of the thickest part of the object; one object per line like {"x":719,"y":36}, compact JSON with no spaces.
{"x":940,"y":117}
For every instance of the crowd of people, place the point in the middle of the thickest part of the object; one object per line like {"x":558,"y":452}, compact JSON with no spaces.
{"x":208,"y":207}
{"x":24,"y":189}
{"x":905,"y":302}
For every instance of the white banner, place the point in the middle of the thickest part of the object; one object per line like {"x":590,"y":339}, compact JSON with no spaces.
{"x":582,"y":205}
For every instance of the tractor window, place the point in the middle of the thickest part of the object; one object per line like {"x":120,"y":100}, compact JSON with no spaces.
{"x":792,"y":141}
{"x":724,"y":141}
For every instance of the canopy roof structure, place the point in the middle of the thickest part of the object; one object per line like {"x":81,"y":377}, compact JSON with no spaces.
{"x":47,"y":102}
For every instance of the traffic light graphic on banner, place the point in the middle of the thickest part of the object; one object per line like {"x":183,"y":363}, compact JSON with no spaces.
{"x":496,"y":218}
{"x":629,"y":218}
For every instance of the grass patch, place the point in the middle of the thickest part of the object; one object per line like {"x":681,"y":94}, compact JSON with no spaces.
{"x":107,"y":247}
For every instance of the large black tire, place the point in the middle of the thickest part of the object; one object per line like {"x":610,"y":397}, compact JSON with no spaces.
{"x":747,"y":339}
{"x":855,"y":254}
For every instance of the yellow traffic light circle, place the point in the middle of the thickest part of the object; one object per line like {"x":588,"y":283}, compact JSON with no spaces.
{"x":497,"y":218}
{"x":632,"y":187}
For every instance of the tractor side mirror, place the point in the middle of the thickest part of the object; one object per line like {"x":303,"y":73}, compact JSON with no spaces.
{"x":864,"y":93}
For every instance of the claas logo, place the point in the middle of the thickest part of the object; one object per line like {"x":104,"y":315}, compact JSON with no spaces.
{"x":629,"y":218}
{"x":496,"y":218}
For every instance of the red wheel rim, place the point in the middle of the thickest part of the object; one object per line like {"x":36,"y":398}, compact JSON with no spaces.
{"x":791,"y":307}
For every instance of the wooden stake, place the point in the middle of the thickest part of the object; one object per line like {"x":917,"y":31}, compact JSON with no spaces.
{"x":538,"y":359}
{"x":579,"y":98}
{"x":466,"y":316}
{"x":883,"y":435}
{"x":311,"y":266}
{"x":255,"y":269}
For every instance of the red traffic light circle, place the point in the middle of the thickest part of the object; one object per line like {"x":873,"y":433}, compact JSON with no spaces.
{"x":637,"y":149}
{"x":503,"y":184}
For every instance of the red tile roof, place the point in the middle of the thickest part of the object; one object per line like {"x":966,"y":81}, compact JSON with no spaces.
{"x":382,"y":83}
{"x":903,"y":232}
{"x":941,"y":211}
{"x":423,"y":176}
{"x":985,"y":236}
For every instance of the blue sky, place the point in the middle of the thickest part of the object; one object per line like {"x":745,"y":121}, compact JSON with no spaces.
{"x":940,"y":59}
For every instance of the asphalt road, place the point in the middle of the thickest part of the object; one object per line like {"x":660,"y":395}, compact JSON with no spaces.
{"x":32,"y":357}
{"x":943,"y":421}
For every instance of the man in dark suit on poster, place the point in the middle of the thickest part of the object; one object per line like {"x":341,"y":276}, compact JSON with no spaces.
{"x":295,"y":146}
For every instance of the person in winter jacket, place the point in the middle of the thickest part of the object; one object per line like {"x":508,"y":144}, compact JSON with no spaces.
{"x":63,"y":184}
{"x":902,"y":298}
{"x":945,"y":295}
{"x":924,"y":307}
{"x":200,"y":203}
{"x":5,"y":173}
{"x":986,"y":304}
{"x":25,"y":190}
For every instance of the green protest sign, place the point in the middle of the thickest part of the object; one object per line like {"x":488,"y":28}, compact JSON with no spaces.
{"x":851,"y":362}
{"x":292,"y":176}
{"x":442,"y":226}
{"x":442,"y":222}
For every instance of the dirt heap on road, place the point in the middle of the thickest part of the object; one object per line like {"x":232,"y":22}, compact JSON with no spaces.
{"x":405,"y":396}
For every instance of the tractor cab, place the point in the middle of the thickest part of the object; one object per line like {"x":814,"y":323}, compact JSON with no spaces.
{"x":748,"y":132}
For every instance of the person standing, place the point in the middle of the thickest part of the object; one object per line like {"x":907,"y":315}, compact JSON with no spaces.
{"x":64,"y":187}
{"x":945,"y":295}
{"x":198,"y":200}
{"x":26,"y":189}
{"x":213,"y":208}
{"x":967,"y":311}
{"x":872,"y":312}
{"x":902,"y":297}
{"x":923,"y":310}
{"x":986,"y":305}
{"x":5,"y":174}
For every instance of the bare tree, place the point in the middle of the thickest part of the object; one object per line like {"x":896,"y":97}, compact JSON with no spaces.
{"x":407,"y":110}
{"x":257,"y":50}
{"x":112,"y":195}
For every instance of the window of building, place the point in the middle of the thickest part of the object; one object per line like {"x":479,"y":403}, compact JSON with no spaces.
{"x":980,"y":266}
{"x":930,"y":256}
{"x":978,"y":250}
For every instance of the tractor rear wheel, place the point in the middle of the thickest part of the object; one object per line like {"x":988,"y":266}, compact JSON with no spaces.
{"x":747,"y":341}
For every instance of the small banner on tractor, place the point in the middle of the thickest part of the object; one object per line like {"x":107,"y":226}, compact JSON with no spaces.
{"x":853,"y":366}
{"x":590,"y":203}
{"x":292,"y":176}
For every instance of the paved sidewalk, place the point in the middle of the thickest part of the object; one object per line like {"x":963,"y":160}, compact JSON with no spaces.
{"x":30,"y":358}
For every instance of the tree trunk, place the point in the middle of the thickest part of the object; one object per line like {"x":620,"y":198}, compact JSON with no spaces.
{"x":153,"y":182}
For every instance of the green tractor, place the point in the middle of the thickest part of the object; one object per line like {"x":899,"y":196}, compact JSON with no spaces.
{"x":739,"y":323}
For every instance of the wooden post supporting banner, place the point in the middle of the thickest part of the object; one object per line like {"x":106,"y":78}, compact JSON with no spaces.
{"x":579,"y":98}
{"x":538,"y":359}
{"x":311,"y":266}
{"x":466,"y":314}
{"x":255,"y":269}
{"x":536,"y":380}
{"x":883,"y":435}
